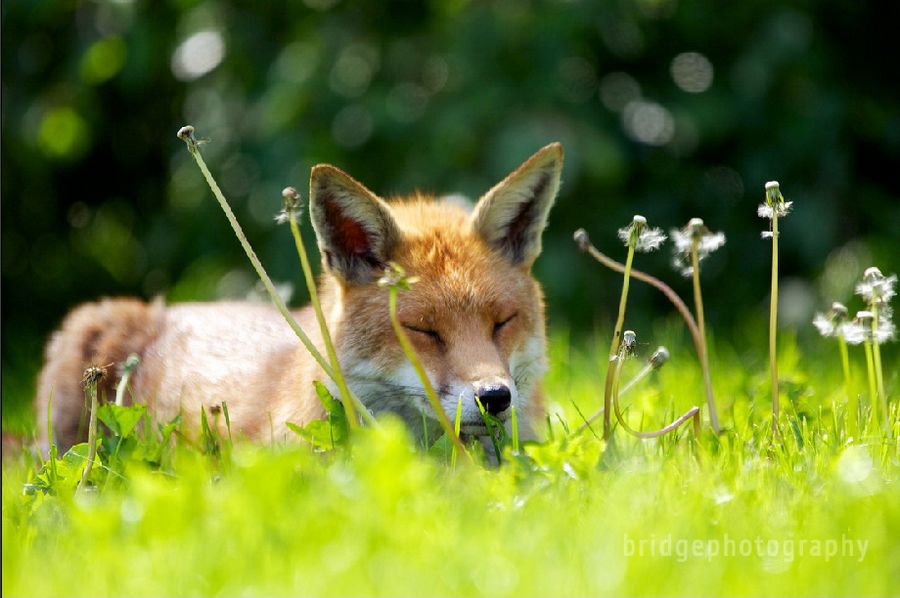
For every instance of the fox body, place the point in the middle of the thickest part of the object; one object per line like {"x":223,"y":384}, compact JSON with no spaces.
{"x":475,"y":319}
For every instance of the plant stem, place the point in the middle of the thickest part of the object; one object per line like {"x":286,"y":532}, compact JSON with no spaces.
{"x":91,"y":390}
{"x":423,"y":377}
{"x":870,"y":370}
{"x":773,"y":324}
{"x":131,"y":364}
{"x":852,"y":402}
{"x":879,"y":376}
{"x":51,"y":448}
{"x":323,"y":325}
{"x":614,"y":344}
{"x":585,"y":244}
{"x":457,"y":421}
{"x":514,"y":424}
{"x":701,"y":324}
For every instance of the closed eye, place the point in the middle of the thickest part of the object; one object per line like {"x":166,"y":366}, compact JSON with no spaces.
{"x":432,"y":334}
{"x":499,"y":325}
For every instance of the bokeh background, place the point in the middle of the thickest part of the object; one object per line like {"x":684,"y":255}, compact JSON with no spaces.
{"x":667,"y":108}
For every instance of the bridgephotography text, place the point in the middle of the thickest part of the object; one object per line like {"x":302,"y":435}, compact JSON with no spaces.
{"x":787,"y":549}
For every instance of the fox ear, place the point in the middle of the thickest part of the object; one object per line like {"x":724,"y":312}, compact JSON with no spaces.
{"x":354,"y":228}
{"x":512,"y":215}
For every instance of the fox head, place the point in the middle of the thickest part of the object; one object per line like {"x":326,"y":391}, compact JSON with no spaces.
{"x":476,"y":316}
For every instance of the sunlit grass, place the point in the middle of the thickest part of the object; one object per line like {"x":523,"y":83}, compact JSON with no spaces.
{"x":566,"y":518}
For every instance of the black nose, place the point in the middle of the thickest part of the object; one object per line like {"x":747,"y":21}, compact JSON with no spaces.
{"x":494,"y":397}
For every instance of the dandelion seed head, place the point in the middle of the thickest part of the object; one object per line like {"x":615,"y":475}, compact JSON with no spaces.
{"x":872,"y":273}
{"x":683,"y":244}
{"x":853,"y":332}
{"x":839,"y":309}
{"x":681,"y":241}
{"x":290,"y":205}
{"x":186,"y":133}
{"x":711,"y":242}
{"x":682,"y":265}
{"x":884,"y":331}
{"x":581,"y":239}
{"x":629,"y":340}
{"x":771,"y":185}
{"x":644,"y":238}
{"x":659,"y":357}
{"x":875,"y":288}
{"x":765,"y":211}
{"x":824,"y":325}
{"x":767,"y":234}
{"x":650,"y":239}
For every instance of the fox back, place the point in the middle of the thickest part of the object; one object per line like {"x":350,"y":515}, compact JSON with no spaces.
{"x":475,"y":319}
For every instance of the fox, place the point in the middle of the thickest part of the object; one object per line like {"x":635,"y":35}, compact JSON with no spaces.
{"x":476,"y":319}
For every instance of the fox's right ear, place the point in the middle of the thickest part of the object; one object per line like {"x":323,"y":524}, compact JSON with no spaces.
{"x":354,"y":228}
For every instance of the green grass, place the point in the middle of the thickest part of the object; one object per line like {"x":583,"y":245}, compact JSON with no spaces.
{"x":565,"y":518}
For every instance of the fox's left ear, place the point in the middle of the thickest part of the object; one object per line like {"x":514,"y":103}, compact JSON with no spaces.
{"x":512,"y":215}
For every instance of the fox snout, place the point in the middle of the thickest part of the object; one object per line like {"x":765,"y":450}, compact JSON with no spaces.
{"x":495,"y":398}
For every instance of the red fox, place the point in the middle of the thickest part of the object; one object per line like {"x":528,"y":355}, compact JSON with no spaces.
{"x":476,"y":320}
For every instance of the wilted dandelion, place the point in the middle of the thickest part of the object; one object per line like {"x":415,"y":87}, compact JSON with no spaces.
{"x":836,"y":324}
{"x":877,"y":290}
{"x":637,"y":236}
{"x":864,"y":321}
{"x":91,"y":379}
{"x":694,"y":237}
{"x":774,"y":207}
{"x":693,"y":243}
{"x":291,"y":206}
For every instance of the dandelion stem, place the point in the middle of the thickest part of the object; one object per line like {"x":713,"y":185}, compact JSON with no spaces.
{"x":51,"y":447}
{"x":879,"y":376}
{"x":131,"y":364}
{"x":456,"y":424}
{"x":423,"y":377}
{"x":773,"y":323}
{"x":187,"y":135}
{"x":514,"y":425}
{"x":90,"y":389}
{"x":870,"y":370}
{"x":852,"y":402}
{"x":614,"y":344}
{"x":701,"y":324}
{"x":323,"y":325}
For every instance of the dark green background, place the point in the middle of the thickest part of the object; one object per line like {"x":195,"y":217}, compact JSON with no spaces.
{"x":100,"y":198}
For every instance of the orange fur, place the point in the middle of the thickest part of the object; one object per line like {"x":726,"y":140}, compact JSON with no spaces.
{"x":475,"y":318}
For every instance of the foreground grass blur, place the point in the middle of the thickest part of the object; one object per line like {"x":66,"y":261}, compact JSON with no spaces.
{"x":815,"y":514}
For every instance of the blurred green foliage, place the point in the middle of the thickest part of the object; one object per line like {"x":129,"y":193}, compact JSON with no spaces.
{"x":669,"y":109}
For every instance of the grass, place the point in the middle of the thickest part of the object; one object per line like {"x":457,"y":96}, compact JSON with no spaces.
{"x":566,"y":517}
